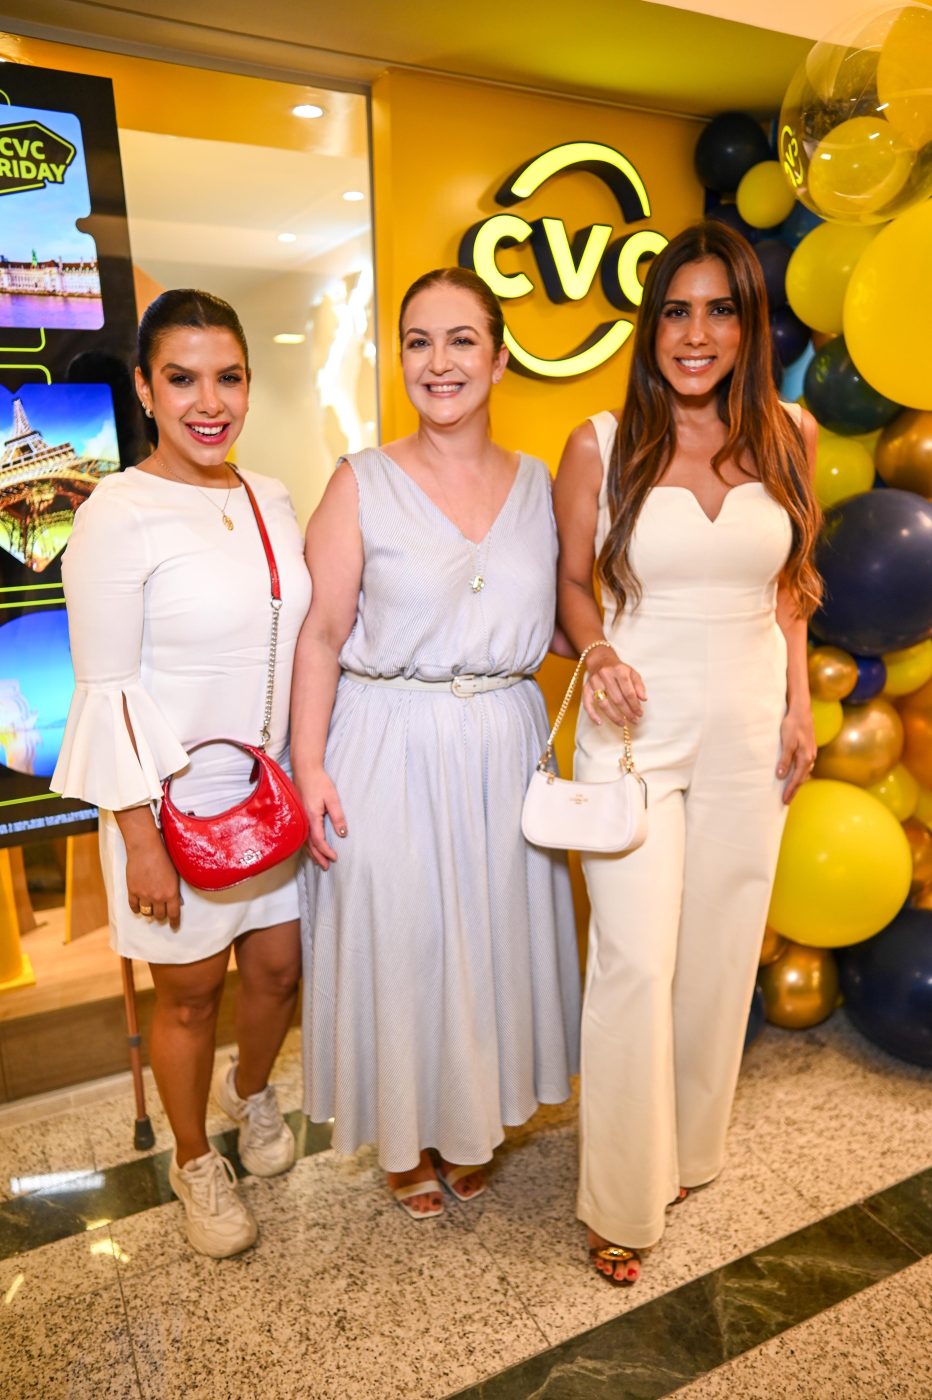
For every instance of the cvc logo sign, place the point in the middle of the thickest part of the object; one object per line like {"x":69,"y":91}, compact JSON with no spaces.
{"x":568,"y":266}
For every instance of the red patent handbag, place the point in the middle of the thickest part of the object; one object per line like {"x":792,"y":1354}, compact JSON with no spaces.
{"x":219,"y":851}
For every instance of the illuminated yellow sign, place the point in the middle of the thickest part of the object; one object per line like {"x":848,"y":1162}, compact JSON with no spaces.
{"x":568,"y":266}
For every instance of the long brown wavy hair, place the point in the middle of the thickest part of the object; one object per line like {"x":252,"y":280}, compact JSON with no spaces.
{"x":758,"y":427}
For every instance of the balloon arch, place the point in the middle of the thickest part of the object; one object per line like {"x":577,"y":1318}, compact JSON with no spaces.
{"x":837,"y":204}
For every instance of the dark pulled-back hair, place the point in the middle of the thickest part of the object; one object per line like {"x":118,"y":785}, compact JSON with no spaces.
{"x":467,"y":281}
{"x":758,"y":426}
{"x":184,"y":306}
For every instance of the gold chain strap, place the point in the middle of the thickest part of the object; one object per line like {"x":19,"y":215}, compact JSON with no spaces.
{"x":626,"y":762}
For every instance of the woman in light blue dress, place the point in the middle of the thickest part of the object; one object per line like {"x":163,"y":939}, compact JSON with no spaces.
{"x":441,"y":973}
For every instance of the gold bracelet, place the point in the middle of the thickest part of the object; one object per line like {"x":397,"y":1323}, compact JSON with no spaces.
{"x":592,"y":646}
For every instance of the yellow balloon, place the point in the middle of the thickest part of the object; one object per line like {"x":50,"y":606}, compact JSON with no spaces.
{"x":923,"y":812}
{"x":844,"y":468}
{"x":827,"y":717}
{"x":833,"y":673}
{"x":904,"y":453}
{"x":904,"y":84}
{"x":867,"y":746}
{"x":888,"y":310}
{"x":858,"y":169}
{"x":909,"y":669}
{"x":801,"y":988}
{"x":897,"y":790}
{"x":844,"y":869}
{"x":763,"y":197}
{"x":775,"y":945}
{"x":818,"y":272}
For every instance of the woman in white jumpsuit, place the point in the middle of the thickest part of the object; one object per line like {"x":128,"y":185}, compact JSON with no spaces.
{"x":697,"y":507}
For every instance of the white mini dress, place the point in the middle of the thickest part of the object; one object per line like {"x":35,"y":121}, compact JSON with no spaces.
{"x":169,"y":611}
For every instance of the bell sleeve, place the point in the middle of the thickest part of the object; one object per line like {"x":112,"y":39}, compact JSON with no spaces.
{"x":104,"y":571}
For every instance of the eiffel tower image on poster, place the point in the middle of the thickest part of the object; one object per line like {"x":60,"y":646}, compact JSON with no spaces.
{"x":41,"y":486}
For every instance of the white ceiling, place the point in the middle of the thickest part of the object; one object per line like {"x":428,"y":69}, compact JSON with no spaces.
{"x":215,"y":203}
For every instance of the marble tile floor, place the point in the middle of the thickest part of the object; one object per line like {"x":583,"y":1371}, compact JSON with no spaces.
{"x":822,"y":1220}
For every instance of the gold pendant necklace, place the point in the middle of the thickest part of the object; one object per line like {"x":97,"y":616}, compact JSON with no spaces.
{"x":228,"y":523}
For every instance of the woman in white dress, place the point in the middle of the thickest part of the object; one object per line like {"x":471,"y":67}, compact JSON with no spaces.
{"x":441,"y":972}
{"x":167,"y":588}
{"x":696,"y":505}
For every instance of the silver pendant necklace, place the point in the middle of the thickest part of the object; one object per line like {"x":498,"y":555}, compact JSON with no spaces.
{"x":477,"y":582}
{"x":228,"y":523}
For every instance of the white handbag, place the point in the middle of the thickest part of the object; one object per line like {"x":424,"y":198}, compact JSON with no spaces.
{"x":599,"y":817}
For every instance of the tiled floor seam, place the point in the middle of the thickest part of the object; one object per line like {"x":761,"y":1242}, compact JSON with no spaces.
{"x":512,"y":1290}
{"x":126,"y":1321}
{"x":496,"y":1385}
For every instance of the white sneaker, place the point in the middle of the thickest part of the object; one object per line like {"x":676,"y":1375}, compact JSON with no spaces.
{"x":266,"y":1145}
{"x":218,"y":1222}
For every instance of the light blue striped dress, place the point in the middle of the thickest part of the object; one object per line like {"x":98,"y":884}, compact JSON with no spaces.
{"x":441,"y":992}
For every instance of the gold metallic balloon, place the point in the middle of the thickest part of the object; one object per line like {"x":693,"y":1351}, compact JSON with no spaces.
{"x":800,"y":988}
{"x":869,"y":745}
{"x":922,"y":900}
{"x":920,"y":845}
{"x":775,"y":945}
{"x":916,"y":711}
{"x":833,"y":673}
{"x":904,"y":452}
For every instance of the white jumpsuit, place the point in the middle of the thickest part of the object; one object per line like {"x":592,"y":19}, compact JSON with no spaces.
{"x":676,"y":926}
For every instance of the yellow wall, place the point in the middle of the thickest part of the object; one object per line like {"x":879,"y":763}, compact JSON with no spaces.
{"x":441,"y":150}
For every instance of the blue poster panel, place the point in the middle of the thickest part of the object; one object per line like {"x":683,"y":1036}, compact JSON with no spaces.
{"x":68,"y":414}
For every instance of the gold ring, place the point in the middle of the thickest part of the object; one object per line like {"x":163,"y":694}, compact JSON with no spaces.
{"x":601,"y":696}
{"x":145,"y":909}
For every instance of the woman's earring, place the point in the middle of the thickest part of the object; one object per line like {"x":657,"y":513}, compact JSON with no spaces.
{"x":145,"y":408}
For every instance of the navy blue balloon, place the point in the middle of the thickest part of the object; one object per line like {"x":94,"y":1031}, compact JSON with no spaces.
{"x":872,"y":677}
{"x":773,"y":257}
{"x":796,"y":225}
{"x":841,"y":399}
{"x":875,"y":558}
{"x":727,"y":148}
{"x":887,"y":986}
{"x":790,"y":335}
{"x":756,"y":1018}
{"x":728,"y":215}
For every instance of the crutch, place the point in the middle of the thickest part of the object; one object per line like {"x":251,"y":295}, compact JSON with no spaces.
{"x":143,"y":1136}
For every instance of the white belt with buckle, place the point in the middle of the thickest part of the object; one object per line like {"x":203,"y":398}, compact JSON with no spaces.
{"x":462,"y":686}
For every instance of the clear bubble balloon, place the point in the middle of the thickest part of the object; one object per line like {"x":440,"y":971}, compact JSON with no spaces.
{"x":855,"y":129}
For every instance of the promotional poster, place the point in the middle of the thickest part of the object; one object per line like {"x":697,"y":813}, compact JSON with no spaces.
{"x":68,"y":415}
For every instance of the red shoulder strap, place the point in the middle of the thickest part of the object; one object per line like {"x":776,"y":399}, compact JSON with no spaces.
{"x":264,"y":536}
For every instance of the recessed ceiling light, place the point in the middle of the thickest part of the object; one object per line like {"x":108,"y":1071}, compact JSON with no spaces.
{"x":288,"y":338}
{"x":287,"y":237}
{"x":353,"y":196}
{"x":307,"y":110}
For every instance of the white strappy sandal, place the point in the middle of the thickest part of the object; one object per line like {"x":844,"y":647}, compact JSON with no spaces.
{"x":403,"y":1194}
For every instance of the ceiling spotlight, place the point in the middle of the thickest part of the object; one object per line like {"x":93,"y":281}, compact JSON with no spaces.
{"x":307,"y":110}
{"x":288,"y":338}
{"x":287,"y":237}
{"x":353,"y":196}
